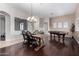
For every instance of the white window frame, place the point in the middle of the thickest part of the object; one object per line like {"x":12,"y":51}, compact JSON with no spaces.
{"x":65,"y":24}
{"x":60,"y":25}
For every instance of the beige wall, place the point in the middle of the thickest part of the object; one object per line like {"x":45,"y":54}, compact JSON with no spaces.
{"x":76,"y":22}
{"x":65,"y":18}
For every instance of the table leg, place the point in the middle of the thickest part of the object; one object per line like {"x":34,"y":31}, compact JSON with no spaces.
{"x":50,"y":36}
{"x":54,"y":36}
{"x":63,"y":39}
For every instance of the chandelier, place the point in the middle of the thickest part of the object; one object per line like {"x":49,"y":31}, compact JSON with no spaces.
{"x":31,"y":18}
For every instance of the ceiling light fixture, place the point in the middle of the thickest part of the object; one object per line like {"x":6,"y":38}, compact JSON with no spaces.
{"x":31,"y":18}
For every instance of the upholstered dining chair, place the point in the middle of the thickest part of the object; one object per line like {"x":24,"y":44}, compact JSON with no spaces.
{"x":29,"y":40}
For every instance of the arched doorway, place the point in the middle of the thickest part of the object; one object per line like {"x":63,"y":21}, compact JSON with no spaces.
{"x":4,"y":25}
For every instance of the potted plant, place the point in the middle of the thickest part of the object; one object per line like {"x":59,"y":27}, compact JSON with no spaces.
{"x":72,"y":29}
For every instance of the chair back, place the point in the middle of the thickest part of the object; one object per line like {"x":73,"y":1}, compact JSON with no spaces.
{"x":24,"y":35}
{"x":29,"y":35}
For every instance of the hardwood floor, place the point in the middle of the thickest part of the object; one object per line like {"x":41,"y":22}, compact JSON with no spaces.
{"x":52,"y":48}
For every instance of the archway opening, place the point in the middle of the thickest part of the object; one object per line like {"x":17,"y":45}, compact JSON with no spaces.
{"x":4,"y":25}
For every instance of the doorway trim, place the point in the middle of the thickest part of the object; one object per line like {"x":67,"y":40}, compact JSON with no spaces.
{"x":7,"y":23}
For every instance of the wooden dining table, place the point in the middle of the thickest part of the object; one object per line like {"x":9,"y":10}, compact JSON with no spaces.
{"x":38,"y":37}
{"x":59,"y":34}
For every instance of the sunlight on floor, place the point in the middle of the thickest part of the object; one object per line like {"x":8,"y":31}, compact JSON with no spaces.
{"x":9,"y":43}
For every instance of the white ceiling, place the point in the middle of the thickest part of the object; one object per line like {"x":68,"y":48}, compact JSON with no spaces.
{"x":47,"y":9}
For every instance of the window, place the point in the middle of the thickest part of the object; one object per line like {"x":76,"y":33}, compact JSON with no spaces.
{"x":65,"y":24}
{"x":20,"y":24}
{"x":60,"y":25}
{"x":54,"y":25}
